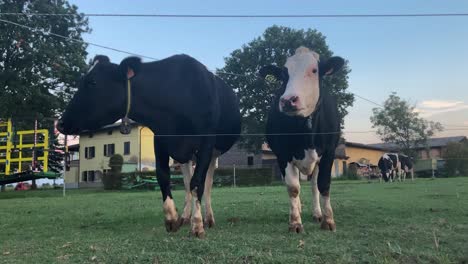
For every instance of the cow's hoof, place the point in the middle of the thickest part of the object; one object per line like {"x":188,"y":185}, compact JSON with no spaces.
{"x":328,"y":225}
{"x":172,"y":225}
{"x":317,"y":218}
{"x":184,"y":221}
{"x":296,"y":228}
{"x":209,"y":222}
{"x":198,"y":233}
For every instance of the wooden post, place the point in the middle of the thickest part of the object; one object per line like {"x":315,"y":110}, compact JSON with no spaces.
{"x":234,"y":172}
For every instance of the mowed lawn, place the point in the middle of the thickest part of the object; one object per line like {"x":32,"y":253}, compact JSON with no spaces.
{"x":425,"y":221}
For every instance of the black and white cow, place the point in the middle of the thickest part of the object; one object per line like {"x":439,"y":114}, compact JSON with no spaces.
{"x":298,"y":130}
{"x":185,"y":105}
{"x":386,"y":166}
{"x":406,"y":164}
{"x":394,"y":165}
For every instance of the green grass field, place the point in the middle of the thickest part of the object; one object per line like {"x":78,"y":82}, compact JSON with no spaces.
{"x":425,"y":221}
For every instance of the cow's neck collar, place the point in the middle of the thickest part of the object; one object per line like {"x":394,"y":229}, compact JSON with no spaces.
{"x":125,"y":125}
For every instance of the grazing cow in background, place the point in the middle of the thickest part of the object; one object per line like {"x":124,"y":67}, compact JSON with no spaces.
{"x":393,"y":165}
{"x":386,"y":167}
{"x":406,"y":166}
{"x":186,"y":106}
{"x":298,"y":130}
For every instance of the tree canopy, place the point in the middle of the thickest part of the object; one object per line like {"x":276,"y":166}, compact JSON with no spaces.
{"x":38,"y":71}
{"x":255,"y":94}
{"x":398,"y":122}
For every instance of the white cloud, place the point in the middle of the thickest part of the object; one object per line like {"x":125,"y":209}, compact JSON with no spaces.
{"x":433,"y":107}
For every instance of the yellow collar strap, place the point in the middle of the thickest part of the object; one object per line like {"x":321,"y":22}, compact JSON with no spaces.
{"x":129,"y":97}
{"x":125,"y":127}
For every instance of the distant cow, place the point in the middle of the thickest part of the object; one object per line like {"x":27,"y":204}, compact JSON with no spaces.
{"x":303,"y":130}
{"x":186,"y":106}
{"x":393,"y":165}
{"x":406,"y":166}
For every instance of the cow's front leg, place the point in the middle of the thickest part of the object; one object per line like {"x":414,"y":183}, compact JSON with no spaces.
{"x":209,"y":216}
{"x":171,"y":218}
{"x":197,"y":186}
{"x":187,"y":171}
{"x":316,"y":210}
{"x":294,"y":190}
{"x":324,"y":180}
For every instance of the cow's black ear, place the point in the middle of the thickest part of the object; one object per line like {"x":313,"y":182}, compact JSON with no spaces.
{"x":130,"y":66}
{"x":270,"y":70}
{"x":331,"y":65}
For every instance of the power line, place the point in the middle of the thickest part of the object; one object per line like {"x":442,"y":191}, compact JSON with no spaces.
{"x":74,"y":40}
{"x":383,"y":15}
{"x":143,"y":56}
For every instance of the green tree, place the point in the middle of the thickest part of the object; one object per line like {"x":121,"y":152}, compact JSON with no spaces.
{"x":255,"y":94}
{"x":455,"y":155}
{"x":398,"y":122}
{"x":38,"y":71}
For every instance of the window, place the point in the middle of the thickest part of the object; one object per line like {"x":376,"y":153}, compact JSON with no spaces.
{"x":91,"y":176}
{"x":109,"y":132}
{"x":127,"y":148}
{"x":91,"y":135}
{"x":89,"y":152}
{"x":84,"y":176}
{"x":250,"y":160}
{"x":109,"y":150}
{"x":88,"y":176}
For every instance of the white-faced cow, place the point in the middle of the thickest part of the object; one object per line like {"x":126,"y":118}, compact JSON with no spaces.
{"x":303,"y":130}
{"x":185,"y":105}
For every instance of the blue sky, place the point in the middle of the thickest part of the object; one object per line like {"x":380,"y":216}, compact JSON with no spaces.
{"x":425,"y":60}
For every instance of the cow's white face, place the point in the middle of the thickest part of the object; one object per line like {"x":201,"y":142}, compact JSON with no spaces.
{"x":302,"y":90}
{"x":300,"y":79}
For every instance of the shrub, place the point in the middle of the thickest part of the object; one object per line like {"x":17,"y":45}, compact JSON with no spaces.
{"x":455,"y":155}
{"x":112,"y":180}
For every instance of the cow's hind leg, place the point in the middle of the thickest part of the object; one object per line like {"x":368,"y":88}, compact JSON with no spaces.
{"x":294,"y":190}
{"x":187,"y":171}
{"x":324,"y":180}
{"x":316,"y":211}
{"x":171,"y":218}
{"x":209,"y":217}
{"x":197,"y":185}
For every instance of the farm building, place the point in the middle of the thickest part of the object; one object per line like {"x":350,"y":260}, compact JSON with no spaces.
{"x":356,"y":153}
{"x":90,"y":159}
{"x":435,"y":149}
{"x":346,"y":153}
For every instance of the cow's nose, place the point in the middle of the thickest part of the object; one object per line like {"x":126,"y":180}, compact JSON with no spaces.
{"x":289,"y":103}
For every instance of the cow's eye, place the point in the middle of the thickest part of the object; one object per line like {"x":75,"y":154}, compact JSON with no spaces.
{"x":314,"y":70}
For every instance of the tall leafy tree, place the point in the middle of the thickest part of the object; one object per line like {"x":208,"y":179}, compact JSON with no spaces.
{"x":38,"y":71}
{"x":398,"y":122}
{"x":255,"y":94}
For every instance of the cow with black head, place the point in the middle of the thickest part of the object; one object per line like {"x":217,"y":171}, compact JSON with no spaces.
{"x":303,"y":130}
{"x":190,"y":110}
